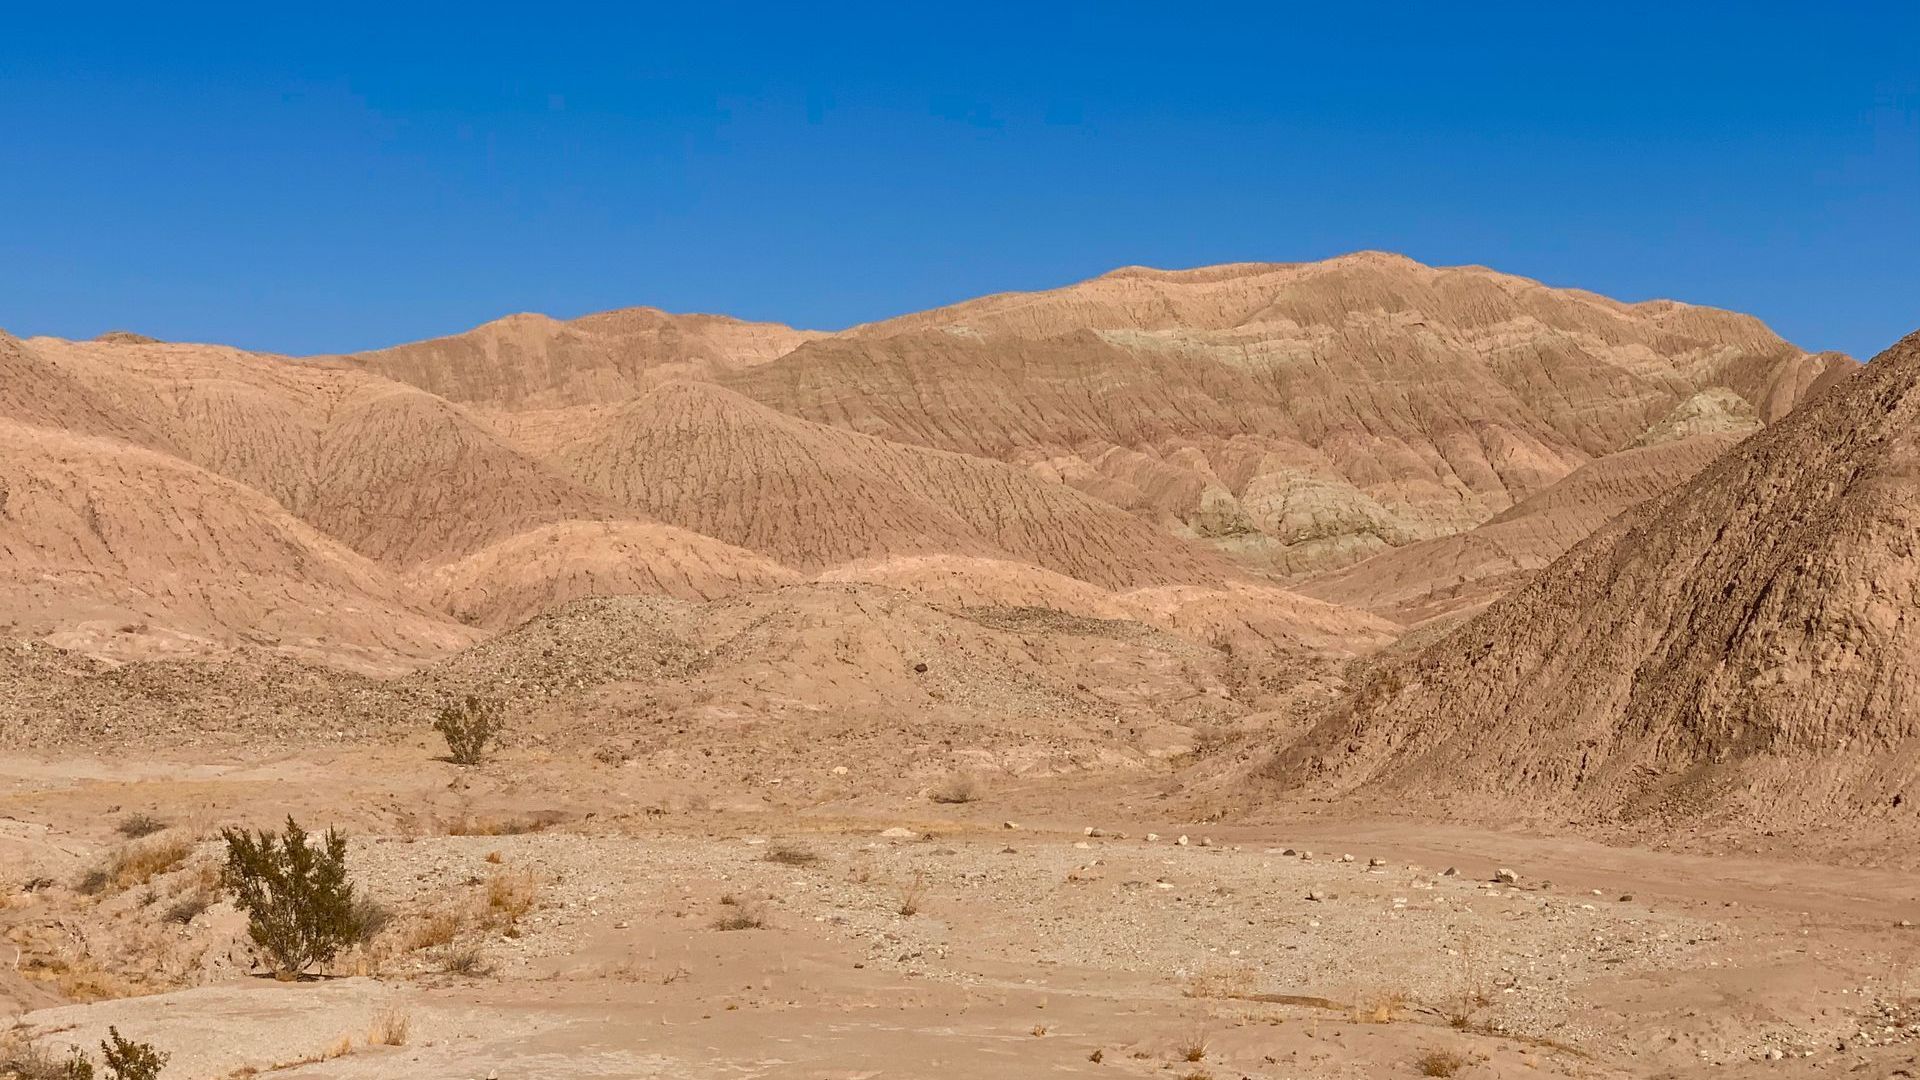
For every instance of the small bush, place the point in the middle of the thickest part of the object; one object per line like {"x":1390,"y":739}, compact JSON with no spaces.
{"x":742,"y":917}
{"x":435,"y":929}
{"x":912,"y":894}
{"x":465,"y":960}
{"x":137,"y":864}
{"x":789,"y":854}
{"x":468,"y":725}
{"x":299,"y":903}
{"x":34,"y":1062}
{"x":135,"y":826}
{"x":390,"y":1028}
{"x":1440,"y":1063}
{"x":93,"y":882}
{"x":187,"y":908}
{"x":961,"y":787}
{"x":510,"y":896}
{"x":127,"y":1060}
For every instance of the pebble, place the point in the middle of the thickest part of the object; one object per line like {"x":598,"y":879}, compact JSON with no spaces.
{"x":1346,"y":858}
{"x":1182,"y":841}
{"x":1153,"y":838}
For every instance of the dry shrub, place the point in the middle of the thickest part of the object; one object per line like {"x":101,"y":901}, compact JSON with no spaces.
{"x":435,"y":929}
{"x":1440,"y":1063}
{"x":466,"y":825}
{"x":80,"y":978}
{"x":913,"y":894}
{"x":31,"y":1061}
{"x":787,"y":853}
{"x":1192,"y":1048}
{"x":135,"y":864}
{"x":189,"y":907}
{"x":510,"y":896}
{"x":960,"y":787}
{"x":391,"y":1028}
{"x":742,"y":917}
{"x":1221,"y":981}
{"x":134,"y":826}
{"x":1383,"y":1007}
{"x":465,"y":960}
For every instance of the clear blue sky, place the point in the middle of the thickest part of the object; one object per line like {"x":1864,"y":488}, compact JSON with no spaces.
{"x":356,"y":176}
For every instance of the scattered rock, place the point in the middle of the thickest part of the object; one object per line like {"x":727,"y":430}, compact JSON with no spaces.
{"x":1506,"y":877}
{"x":898,"y":833}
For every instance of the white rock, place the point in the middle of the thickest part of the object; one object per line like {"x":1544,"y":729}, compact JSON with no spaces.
{"x":897,"y":833}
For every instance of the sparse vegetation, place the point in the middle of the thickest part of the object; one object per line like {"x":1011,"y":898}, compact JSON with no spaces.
{"x":469,"y":724}
{"x":1192,"y":1048}
{"x":435,"y":929}
{"x":510,"y":896}
{"x":391,"y":1028}
{"x":1440,"y":1063}
{"x":740,"y":916}
{"x":912,"y":894}
{"x":299,"y":903}
{"x":787,"y":853}
{"x":465,"y":960}
{"x":960,"y":787}
{"x":1381,"y":1008}
{"x":136,"y":825}
{"x":31,"y":1061}
{"x":129,"y":1060}
{"x":189,"y":907}
{"x":366,"y":918}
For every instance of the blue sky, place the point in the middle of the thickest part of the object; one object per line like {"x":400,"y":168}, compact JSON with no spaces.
{"x":352,"y":176}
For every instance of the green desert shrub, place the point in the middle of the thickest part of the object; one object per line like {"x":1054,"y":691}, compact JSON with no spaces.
{"x":299,"y":904}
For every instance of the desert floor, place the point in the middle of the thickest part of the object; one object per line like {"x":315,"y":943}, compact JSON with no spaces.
{"x":894,"y":936}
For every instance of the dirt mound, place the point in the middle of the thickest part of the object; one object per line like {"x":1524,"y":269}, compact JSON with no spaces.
{"x":123,"y":552}
{"x":534,"y":362}
{"x":1297,"y":416}
{"x":853,"y":672}
{"x":812,"y":496}
{"x":1743,"y":645}
{"x":543,"y":568}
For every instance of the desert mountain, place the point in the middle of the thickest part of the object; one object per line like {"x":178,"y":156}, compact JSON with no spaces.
{"x":1296,"y":415}
{"x":534,"y":362}
{"x":124,"y":552}
{"x":1746,"y":643}
{"x":706,"y":459}
{"x":1172,"y":449}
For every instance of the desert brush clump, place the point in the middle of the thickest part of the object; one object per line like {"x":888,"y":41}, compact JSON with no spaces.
{"x":299,"y":904}
{"x":961,"y":787}
{"x":136,"y":825}
{"x":1440,"y":1063}
{"x":469,"y":724}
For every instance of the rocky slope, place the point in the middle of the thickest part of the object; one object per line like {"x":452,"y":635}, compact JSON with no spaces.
{"x":1746,"y":644}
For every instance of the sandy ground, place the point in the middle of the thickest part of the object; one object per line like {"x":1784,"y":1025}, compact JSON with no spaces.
{"x":1033,"y":948}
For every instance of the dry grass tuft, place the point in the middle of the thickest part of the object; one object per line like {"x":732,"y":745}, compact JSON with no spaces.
{"x":465,"y":960}
{"x":913,"y":894}
{"x":1440,"y":1063}
{"x":1192,"y":1048}
{"x":510,"y":896}
{"x":741,"y":917}
{"x":787,"y":853}
{"x":961,"y":787}
{"x":391,"y":1028}
{"x":1382,"y":1008}
{"x":135,"y":826}
{"x":435,"y":929}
